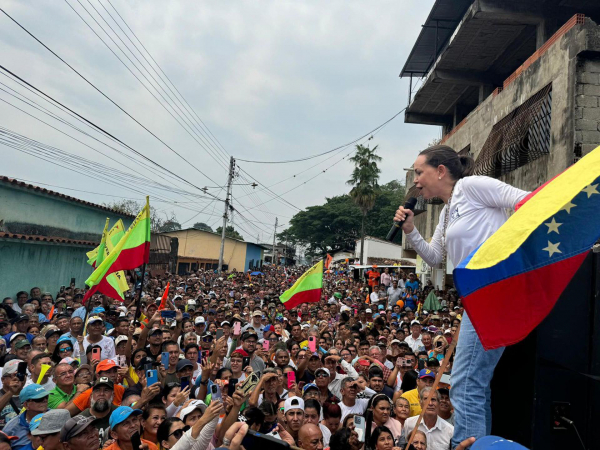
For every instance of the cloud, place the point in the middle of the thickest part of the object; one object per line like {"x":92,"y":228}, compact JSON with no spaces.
{"x":271,"y":80}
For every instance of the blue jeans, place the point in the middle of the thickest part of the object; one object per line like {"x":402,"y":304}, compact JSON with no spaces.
{"x":471,"y":393}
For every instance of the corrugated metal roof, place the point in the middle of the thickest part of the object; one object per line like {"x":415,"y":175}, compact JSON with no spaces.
{"x":446,"y":14}
{"x":33,"y":187}
{"x":53,"y":239}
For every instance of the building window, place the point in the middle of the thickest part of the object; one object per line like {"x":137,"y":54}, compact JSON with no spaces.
{"x":519,"y":138}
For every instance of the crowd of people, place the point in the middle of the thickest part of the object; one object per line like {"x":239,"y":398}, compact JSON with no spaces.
{"x":219,"y":362}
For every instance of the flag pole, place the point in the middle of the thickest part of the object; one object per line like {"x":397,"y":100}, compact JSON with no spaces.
{"x":138,"y":310}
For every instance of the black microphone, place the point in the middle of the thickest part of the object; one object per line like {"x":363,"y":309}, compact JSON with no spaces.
{"x":410,"y":204}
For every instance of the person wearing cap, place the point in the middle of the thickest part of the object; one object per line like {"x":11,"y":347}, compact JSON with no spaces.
{"x":124,"y":423}
{"x":293,"y":411}
{"x":10,"y":404}
{"x":106,"y":368}
{"x":21,"y":349}
{"x":192,"y":412}
{"x":414,"y":340}
{"x":65,"y":391}
{"x":95,"y":336}
{"x":21,"y":323}
{"x":35,"y":401}
{"x":200,"y":325}
{"x":256,"y":324}
{"x":46,"y":427}
{"x":101,"y":406}
{"x":425,"y":379}
{"x":79,"y":433}
{"x":438,"y":431}
{"x":184,"y":368}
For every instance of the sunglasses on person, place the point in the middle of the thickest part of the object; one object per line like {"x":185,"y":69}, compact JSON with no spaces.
{"x":39,"y":400}
{"x":207,"y":339}
{"x":178,"y":433}
{"x":66,"y":349}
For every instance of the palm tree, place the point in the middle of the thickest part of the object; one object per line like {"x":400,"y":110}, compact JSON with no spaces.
{"x":365,"y":177}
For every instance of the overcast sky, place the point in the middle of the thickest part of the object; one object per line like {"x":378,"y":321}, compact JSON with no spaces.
{"x":271,"y":80}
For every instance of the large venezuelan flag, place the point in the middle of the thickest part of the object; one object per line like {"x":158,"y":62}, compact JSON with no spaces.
{"x":306,"y":289}
{"x":132,"y":251}
{"x":512,"y":280}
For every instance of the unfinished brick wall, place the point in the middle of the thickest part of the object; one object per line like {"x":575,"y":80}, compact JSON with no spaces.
{"x":587,"y":104}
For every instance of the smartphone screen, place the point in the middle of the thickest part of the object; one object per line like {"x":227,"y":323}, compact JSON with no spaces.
{"x":96,"y":354}
{"x":165,"y":360}
{"x":231,"y":386}
{"x":245,"y":362}
{"x":237,"y":328}
{"x":359,"y":427}
{"x":219,"y":333}
{"x":291,"y":377}
{"x":312,"y":344}
{"x":185,"y":382}
{"x":421,"y":364}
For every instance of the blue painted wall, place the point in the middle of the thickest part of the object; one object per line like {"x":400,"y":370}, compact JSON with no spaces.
{"x":253,"y":252}
{"x":26,"y":264}
{"x":24,"y":211}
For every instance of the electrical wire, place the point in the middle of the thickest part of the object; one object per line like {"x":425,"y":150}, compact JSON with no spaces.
{"x":328,"y":151}
{"x":100,"y":129}
{"x":105,"y":96}
{"x":209,"y":152}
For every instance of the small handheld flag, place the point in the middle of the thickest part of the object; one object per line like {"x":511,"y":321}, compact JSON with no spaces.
{"x":306,"y":289}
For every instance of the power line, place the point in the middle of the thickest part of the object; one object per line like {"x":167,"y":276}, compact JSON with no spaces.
{"x":219,"y":162}
{"x":96,"y":126}
{"x":105,"y":96}
{"x":328,"y":151}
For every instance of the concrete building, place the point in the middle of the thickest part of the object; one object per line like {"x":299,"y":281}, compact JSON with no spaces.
{"x":44,"y":236}
{"x":199,"y":249}
{"x":285,"y":254}
{"x":514,"y":84}
{"x":377,"y":251}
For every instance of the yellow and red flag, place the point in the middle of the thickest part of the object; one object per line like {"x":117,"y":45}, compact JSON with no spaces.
{"x":306,"y":289}
{"x":132,"y":251}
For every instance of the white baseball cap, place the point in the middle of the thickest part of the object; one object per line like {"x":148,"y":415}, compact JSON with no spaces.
{"x":293,"y":403}
{"x":194,"y":405}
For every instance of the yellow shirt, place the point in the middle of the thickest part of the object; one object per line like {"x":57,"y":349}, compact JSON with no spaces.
{"x":413,"y":399}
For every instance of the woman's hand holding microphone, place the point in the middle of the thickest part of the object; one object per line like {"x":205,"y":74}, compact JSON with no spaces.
{"x":406,"y":215}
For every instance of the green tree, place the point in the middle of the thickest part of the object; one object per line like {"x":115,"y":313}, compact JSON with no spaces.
{"x":202,"y":226}
{"x":322,"y":228}
{"x":133,"y":207}
{"x":364,"y":179}
{"x":170,"y":225}
{"x":230,"y":232}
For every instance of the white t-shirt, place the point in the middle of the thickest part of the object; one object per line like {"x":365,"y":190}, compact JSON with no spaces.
{"x":359,"y":407}
{"x":477,"y":209}
{"x":107,"y":344}
{"x":374,"y":297}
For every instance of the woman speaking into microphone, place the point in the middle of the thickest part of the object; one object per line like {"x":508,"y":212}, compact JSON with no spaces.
{"x":475,"y":207}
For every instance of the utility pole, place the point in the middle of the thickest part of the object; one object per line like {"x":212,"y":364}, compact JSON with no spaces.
{"x":274,"y":235}
{"x":226,"y":212}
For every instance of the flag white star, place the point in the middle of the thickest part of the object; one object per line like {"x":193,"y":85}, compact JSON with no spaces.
{"x":553,"y":226}
{"x":590,"y":189}
{"x":552,"y":249}
{"x":568,"y":207}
